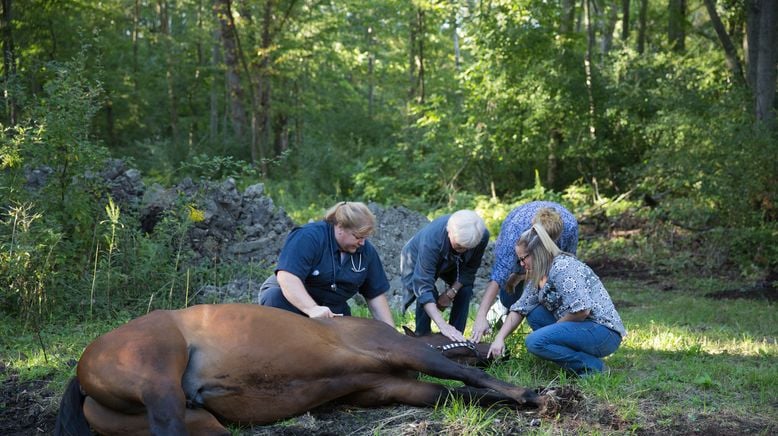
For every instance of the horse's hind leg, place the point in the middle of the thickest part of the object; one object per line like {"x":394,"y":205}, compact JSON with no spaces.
{"x":199,"y":422}
{"x":153,"y":355}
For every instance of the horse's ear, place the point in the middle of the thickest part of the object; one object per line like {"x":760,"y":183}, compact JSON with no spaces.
{"x":408,"y":331}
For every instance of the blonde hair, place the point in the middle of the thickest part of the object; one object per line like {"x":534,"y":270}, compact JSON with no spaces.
{"x":551,"y":220}
{"x":352,"y":215}
{"x":466,"y":228}
{"x":543,"y":250}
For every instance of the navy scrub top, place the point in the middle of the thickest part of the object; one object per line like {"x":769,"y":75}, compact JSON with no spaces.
{"x":312,"y":254}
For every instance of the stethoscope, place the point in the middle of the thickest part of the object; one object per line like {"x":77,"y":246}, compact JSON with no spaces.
{"x":357,"y":268}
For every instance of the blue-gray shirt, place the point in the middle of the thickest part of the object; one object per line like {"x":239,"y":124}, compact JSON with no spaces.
{"x":312,"y":254}
{"x":429,"y":255}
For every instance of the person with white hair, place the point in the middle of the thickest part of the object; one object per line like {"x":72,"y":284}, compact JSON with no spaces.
{"x":449,"y":248}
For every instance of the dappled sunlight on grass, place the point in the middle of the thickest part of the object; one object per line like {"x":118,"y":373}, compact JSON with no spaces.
{"x":713,"y":341}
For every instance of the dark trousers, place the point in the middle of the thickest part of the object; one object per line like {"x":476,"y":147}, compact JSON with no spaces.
{"x":460,"y":308}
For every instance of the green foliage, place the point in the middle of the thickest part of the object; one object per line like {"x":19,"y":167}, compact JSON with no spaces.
{"x":27,"y":262}
{"x":208,"y":167}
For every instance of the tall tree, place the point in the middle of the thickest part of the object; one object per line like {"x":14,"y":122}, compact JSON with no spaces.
{"x":625,"y":20}
{"x":168,"y":45}
{"x":608,"y":24}
{"x":588,"y":67}
{"x":766,"y":64}
{"x":730,"y":53}
{"x":676,"y":25}
{"x":752,"y":41}
{"x":642,"y":26}
{"x":222,"y":10}
{"x":9,"y":62}
{"x":417,"y":67}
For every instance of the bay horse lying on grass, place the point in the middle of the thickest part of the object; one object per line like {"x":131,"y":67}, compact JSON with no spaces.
{"x":190,"y":370}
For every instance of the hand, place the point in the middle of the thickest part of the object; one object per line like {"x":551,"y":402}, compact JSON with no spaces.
{"x":496,"y":349}
{"x":452,"y":333}
{"x":480,"y":328}
{"x":322,"y":312}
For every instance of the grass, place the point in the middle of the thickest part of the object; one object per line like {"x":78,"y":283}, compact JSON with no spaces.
{"x":687,"y":359}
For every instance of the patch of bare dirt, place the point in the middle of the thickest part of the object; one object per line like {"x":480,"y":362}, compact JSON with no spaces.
{"x":25,"y":406}
{"x":709,"y":424}
{"x":620,"y":268}
{"x":764,"y":289}
{"x":564,"y":401}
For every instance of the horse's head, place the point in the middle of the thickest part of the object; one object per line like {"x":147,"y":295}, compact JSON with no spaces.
{"x":468,"y":353}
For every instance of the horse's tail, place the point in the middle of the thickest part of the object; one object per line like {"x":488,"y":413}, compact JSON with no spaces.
{"x":70,"y":418}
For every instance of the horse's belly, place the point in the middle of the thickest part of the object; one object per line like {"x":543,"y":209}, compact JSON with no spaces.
{"x":266,"y":402}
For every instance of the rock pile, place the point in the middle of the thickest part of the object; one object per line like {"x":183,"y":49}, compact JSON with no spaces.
{"x":246,"y":226}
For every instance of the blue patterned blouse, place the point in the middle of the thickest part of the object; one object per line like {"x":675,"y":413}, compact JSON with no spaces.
{"x":572,"y":287}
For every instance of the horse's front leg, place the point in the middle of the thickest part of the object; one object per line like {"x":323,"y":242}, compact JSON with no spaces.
{"x":428,"y":361}
{"x":399,"y":390}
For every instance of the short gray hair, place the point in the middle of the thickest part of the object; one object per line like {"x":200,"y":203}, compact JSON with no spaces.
{"x":466,"y":228}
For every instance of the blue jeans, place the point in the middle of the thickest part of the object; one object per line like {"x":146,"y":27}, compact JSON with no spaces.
{"x":574,"y":345}
{"x":508,"y":299}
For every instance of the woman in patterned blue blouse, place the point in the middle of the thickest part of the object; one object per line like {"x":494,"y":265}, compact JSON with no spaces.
{"x":572,"y":316}
{"x":507,"y":273}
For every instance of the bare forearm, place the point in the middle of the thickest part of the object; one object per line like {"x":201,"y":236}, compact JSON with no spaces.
{"x":512,"y":321}
{"x":490,"y":294}
{"x":379,"y":307}
{"x":294,"y":291}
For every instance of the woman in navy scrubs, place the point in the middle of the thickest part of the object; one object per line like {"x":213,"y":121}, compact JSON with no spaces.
{"x":325,"y":263}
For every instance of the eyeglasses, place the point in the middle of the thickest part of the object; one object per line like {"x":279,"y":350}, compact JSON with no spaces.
{"x":357,"y":237}
{"x":523,"y":258}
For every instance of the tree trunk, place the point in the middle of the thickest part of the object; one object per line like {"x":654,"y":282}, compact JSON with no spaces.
{"x":213,"y":127}
{"x":676,"y":33}
{"x":167,"y":44}
{"x":609,"y":24}
{"x":624,"y":20}
{"x":642,"y":23}
{"x":752,"y":41}
{"x":730,"y":52}
{"x":766,"y":64}
{"x":567,"y":20}
{"x":554,"y":144}
{"x":455,"y":36}
{"x":222,"y":10}
{"x":420,"y":58}
{"x":264,"y":86}
{"x":588,"y":66}
{"x":412,"y":33}
{"x":135,"y":32}
{"x":370,"y":71}
{"x":9,"y":63}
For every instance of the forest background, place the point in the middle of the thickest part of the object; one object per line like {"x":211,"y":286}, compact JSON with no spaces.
{"x":665,"y":109}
